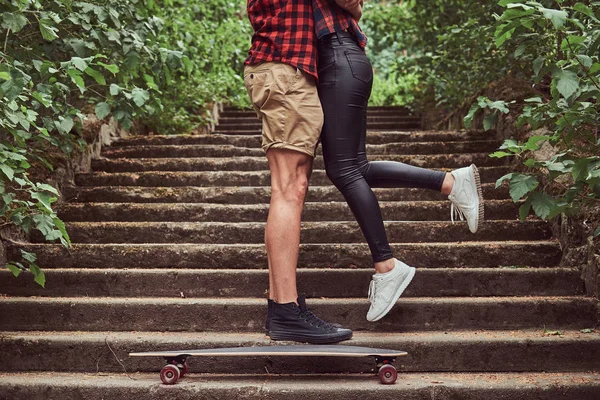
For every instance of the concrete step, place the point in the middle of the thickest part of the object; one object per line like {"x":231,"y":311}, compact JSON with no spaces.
{"x":312,"y":232}
{"x":329,"y":211}
{"x":172,"y":151}
{"x":416,"y":386}
{"x":370,"y":118}
{"x":245,"y":195}
{"x":330,"y":255}
{"x":248,"y":314}
{"x":392,"y":123}
{"x":218,"y":178}
{"x":191,"y":283}
{"x":472,"y":351}
{"x":260,"y":163}
{"x":373,"y":137}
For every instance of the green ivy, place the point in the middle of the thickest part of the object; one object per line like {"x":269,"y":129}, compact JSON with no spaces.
{"x":562,"y":43}
{"x":161,"y":62}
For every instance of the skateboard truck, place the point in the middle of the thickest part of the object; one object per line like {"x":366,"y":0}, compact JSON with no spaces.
{"x":175,"y":369}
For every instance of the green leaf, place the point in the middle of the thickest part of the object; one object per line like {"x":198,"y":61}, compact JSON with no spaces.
{"x":468,"y":120}
{"x":567,"y":83}
{"x":521,"y":184}
{"x":76,"y":78}
{"x":48,"y":188}
{"x":140,"y":96}
{"x":586,"y":61}
{"x":524,"y":210}
{"x":31,"y":257}
{"x":62,"y":229}
{"x":45,"y":199}
{"x":8,"y":171}
{"x":66,"y":124}
{"x":538,"y":64}
{"x":557,"y":17}
{"x":597,"y":232}
{"x":543,"y":204}
{"x":110,"y":67}
{"x":79,"y":63}
{"x":14,"y":21}
{"x":14,"y":269}
{"x":39,"y":276}
{"x":490,"y":121}
{"x":102,"y":110}
{"x":502,"y":179}
{"x":114,"y":89}
{"x":48,"y":31}
{"x":96,"y":75}
{"x":588,"y":330}
{"x":501,"y":154}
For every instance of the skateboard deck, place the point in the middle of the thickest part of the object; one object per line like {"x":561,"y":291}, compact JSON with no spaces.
{"x":177,"y":365}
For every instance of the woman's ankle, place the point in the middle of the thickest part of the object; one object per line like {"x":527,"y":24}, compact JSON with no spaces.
{"x":448,"y":184}
{"x":384,"y":266}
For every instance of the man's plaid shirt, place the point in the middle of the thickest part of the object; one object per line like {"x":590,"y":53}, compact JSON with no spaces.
{"x":284,"y":31}
{"x":330,"y":18}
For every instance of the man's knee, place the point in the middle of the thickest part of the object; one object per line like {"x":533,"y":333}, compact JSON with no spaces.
{"x":291,"y":189}
{"x":290,"y":172}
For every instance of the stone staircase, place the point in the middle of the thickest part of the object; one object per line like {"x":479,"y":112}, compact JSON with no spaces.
{"x":168,"y":254}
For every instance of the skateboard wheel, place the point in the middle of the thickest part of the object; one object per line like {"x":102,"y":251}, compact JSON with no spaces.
{"x":169,"y":374}
{"x":184,"y":370}
{"x":388,"y":374}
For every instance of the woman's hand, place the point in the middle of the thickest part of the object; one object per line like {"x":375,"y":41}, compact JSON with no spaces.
{"x":354,"y":7}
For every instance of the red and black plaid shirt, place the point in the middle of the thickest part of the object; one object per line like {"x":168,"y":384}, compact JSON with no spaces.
{"x":330,"y":18}
{"x":284,"y":31}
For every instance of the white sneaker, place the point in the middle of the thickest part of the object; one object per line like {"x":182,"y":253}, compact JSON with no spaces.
{"x":385,"y":289}
{"x":466,"y":197}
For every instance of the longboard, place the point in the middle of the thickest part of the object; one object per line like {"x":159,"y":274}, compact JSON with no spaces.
{"x":176,"y":361}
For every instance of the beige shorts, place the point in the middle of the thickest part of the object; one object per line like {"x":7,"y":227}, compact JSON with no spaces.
{"x":285,"y":98}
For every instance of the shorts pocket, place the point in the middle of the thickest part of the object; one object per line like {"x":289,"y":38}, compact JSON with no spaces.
{"x":360,"y":66}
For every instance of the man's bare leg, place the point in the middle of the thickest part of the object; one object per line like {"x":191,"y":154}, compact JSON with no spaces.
{"x":290,"y":173}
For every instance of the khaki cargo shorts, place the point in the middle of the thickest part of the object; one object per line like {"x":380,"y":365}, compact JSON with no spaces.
{"x":285,"y":98}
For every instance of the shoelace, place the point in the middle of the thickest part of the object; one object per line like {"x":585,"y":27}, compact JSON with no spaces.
{"x":373,"y":290}
{"x":455,"y":211}
{"x":312,"y":319}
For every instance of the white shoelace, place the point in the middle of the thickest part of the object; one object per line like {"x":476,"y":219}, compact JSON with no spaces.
{"x":455,"y":211}
{"x":372,"y":290}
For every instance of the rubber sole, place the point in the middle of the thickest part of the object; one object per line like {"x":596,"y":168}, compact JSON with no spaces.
{"x":481,"y":213}
{"x":295,"y":337}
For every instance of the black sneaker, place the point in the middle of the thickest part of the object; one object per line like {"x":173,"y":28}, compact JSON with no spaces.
{"x":270,"y":315}
{"x":297,"y":323}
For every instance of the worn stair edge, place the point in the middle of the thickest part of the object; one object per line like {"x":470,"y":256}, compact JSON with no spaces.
{"x":330,"y":211}
{"x":236,"y":164}
{"x":463,"y":351}
{"x":311,"y":232}
{"x":443,"y":162}
{"x":373,"y":137}
{"x":417,"y":386}
{"x":193,"y":283}
{"x":420,"y":255}
{"x":231,"y":151}
{"x":248,"y":315}
{"x":247,"y":194}
{"x":215,"y":178}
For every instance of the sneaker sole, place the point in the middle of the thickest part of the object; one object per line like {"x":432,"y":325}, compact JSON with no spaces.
{"x":294,"y":337}
{"x":481,"y":215}
{"x":401,"y":290}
